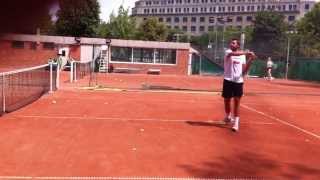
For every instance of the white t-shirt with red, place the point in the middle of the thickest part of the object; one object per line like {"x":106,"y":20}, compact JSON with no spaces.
{"x":233,"y":67}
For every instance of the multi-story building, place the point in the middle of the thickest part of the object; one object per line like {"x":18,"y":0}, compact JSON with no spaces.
{"x":199,"y":16}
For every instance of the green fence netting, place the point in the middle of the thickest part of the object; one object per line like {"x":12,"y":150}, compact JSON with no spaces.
{"x":301,"y":69}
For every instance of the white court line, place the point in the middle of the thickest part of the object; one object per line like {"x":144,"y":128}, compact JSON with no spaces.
{"x":136,"y":119}
{"x":282,"y":121}
{"x":113,"y":178}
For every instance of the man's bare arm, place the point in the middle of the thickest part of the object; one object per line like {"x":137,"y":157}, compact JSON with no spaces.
{"x":251,"y":57}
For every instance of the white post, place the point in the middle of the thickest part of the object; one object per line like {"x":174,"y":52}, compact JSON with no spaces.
{"x":51,"y":74}
{"x":243,"y":36}
{"x":75,"y":72}
{"x":58,"y":77}
{"x":190,"y":64}
{"x":3,"y":93}
{"x":71,"y":71}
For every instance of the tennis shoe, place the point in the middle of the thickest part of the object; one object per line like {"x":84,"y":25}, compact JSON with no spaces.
{"x":228,"y":119}
{"x":235,"y":126}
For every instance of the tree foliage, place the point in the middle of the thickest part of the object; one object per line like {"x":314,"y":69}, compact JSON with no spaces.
{"x":78,"y":18}
{"x":309,"y":32}
{"x":269,"y":31}
{"x":152,"y":30}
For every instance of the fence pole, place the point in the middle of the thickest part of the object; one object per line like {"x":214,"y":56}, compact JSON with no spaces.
{"x":51,"y":76}
{"x":287,"y":62}
{"x":3,"y":93}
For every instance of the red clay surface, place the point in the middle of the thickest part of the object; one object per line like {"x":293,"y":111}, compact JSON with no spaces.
{"x":138,"y":133}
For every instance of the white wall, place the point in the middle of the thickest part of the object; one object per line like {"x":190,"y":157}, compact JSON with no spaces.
{"x":86,"y":53}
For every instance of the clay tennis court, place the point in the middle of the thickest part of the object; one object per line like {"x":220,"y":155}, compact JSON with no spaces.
{"x":170,"y":130}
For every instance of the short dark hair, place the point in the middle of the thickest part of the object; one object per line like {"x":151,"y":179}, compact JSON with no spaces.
{"x":236,"y":39}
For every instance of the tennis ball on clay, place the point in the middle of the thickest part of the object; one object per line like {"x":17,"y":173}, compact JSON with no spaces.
{"x":54,"y":102}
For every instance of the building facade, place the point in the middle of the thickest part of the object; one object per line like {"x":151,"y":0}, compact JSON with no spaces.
{"x":196,"y":17}
{"x":21,"y":51}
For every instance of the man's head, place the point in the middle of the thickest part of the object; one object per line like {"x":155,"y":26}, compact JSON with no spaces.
{"x":234,"y":44}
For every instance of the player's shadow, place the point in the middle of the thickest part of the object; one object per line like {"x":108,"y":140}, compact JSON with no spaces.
{"x":219,"y":124}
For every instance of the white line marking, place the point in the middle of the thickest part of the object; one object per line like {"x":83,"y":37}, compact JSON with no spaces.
{"x":282,"y":121}
{"x":111,"y":178}
{"x":138,"y":119}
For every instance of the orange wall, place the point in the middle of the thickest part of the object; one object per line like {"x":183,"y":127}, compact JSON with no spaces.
{"x":13,"y":57}
{"x":75,"y":52}
{"x":181,"y":68}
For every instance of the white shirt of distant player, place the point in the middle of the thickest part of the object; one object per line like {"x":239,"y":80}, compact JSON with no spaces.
{"x":269,"y":64}
{"x":233,"y":67}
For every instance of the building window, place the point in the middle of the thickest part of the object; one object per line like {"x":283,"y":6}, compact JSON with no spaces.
{"x":239,"y":18}
{"x":229,"y":19}
{"x":291,"y":18}
{"x":176,"y":27}
{"x":202,"y":19}
{"x":306,"y":6}
{"x":48,"y":46}
{"x":185,"y":28}
{"x":33,"y":45}
{"x":176,"y":19}
{"x":160,"y":19}
{"x":141,"y":55}
{"x":294,"y":7}
{"x":121,"y":54}
{"x":147,"y":55}
{"x":165,"y":56}
{"x":193,"y":19}
{"x":168,"y":19}
{"x":249,"y":18}
{"x":193,"y":28}
{"x":17,"y":44}
{"x":185,"y":19}
{"x":211,"y":19}
{"x":201,"y":28}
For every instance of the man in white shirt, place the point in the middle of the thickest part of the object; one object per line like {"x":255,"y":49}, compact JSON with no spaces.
{"x":269,"y":69}
{"x":235,"y":67}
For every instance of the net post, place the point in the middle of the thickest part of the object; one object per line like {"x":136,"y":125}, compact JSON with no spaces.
{"x":75,"y":72}
{"x":71,"y":71}
{"x":58,"y":77}
{"x":51,"y":77}
{"x":3,"y":93}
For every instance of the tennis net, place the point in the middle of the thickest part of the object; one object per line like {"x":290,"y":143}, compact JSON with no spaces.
{"x":24,"y":86}
{"x":80,"y":69}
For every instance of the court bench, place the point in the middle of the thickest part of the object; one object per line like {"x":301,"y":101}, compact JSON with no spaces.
{"x":154,"y":71}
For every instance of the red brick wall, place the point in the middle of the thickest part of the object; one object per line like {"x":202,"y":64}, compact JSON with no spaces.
{"x":26,"y":57}
{"x":75,"y":52}
{"x":181,"y":68}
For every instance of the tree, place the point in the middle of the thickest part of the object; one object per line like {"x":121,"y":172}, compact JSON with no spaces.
{"x":152,"y":30}
{"x":309,"y":31}
{"x":177,"y":35}
{"x":121,"y":26}
{"x":269,"y":33}
{"x":24,"y":16}
{"x":78,"y":18}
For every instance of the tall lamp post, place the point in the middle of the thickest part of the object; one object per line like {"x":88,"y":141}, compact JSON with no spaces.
{"x":221,"y":21}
